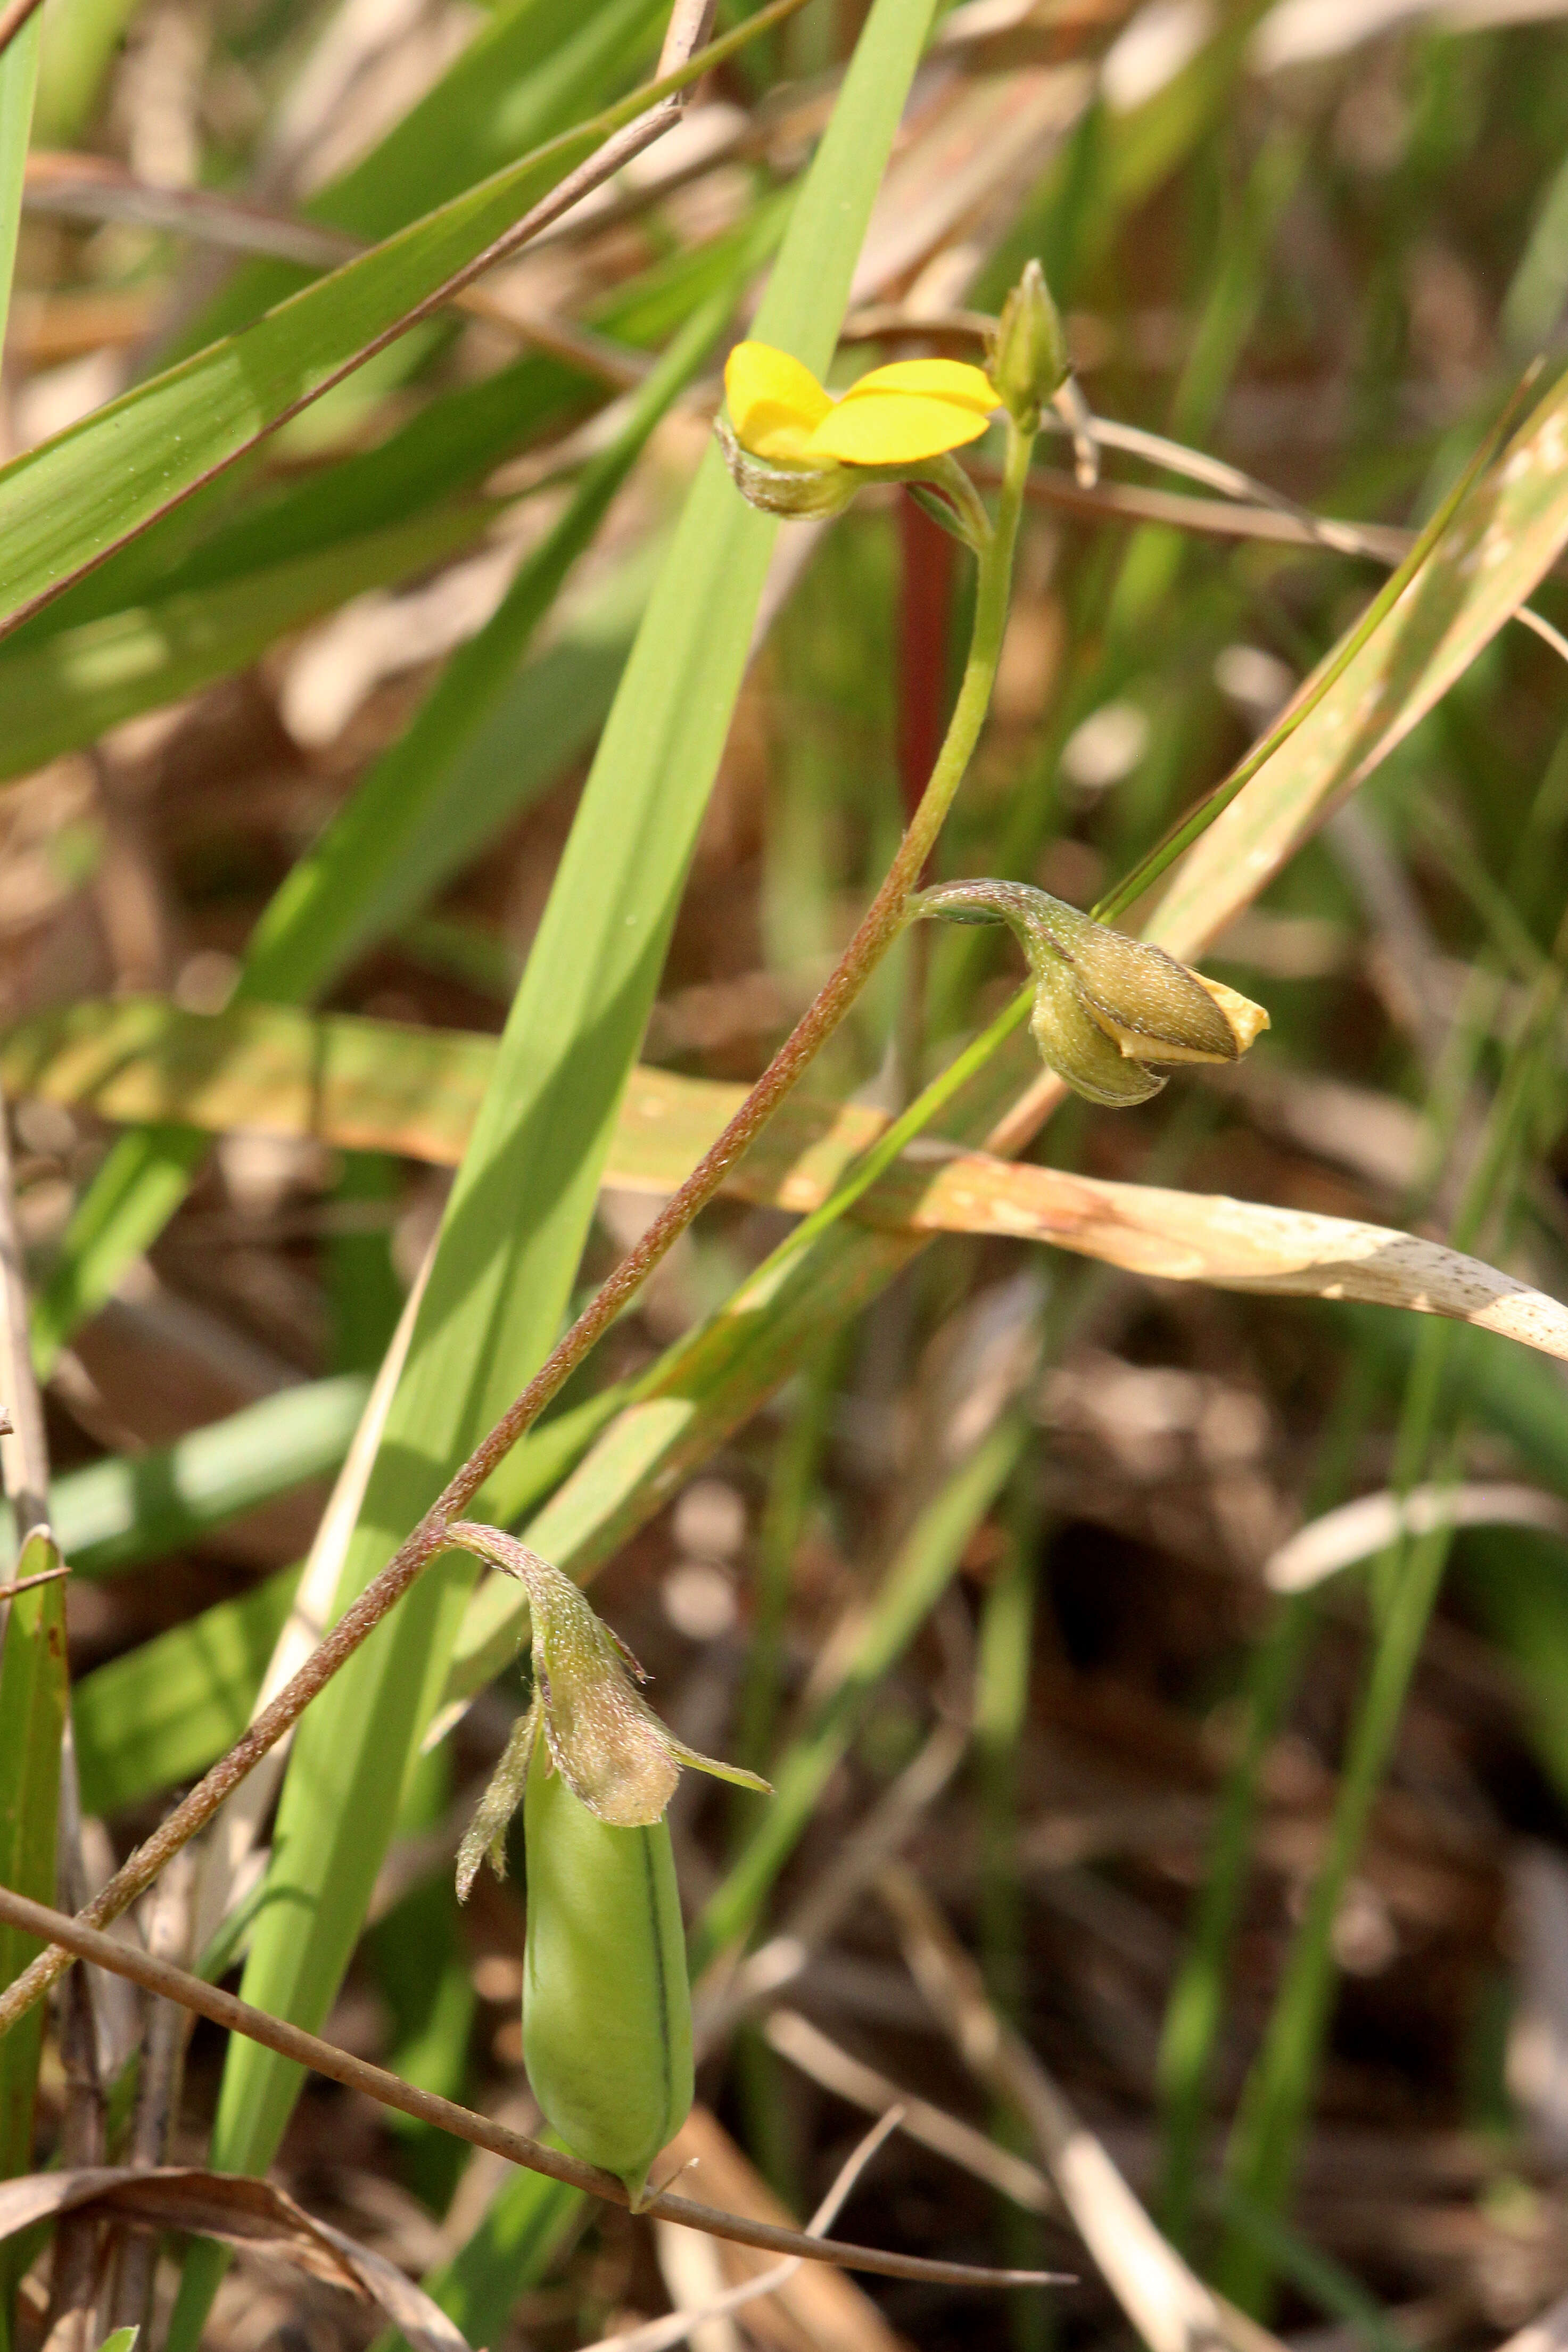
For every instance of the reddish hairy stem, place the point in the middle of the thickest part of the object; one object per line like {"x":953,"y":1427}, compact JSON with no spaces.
{"x":171,"y":1983}
{"x":877,"y":929}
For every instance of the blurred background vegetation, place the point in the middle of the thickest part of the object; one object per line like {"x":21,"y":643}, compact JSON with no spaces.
{"x":1264,"y":1855}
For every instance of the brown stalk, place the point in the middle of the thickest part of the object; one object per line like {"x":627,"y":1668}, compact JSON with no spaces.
{"x":235,"y":2016}
{"x":132,"y":2255}
{"x":879,"y":927}
{"x":26,"y":1583}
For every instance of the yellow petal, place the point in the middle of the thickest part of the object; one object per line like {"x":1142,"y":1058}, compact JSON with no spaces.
{"x":774,"y":403}
{"x":1245,"y":1018}
{"x":940,"y":378}
{"x":894,"y":429}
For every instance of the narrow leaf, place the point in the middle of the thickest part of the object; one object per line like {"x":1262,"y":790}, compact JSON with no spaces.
{"x":33,"y":1700}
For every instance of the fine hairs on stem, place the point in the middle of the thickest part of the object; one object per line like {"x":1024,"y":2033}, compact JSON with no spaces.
{"x":877,"y":929}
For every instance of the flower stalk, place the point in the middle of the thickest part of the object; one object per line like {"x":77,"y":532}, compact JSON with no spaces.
{"x":875,"y":934}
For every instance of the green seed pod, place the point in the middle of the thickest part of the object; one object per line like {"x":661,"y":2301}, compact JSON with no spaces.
{"x":606,"y":2011}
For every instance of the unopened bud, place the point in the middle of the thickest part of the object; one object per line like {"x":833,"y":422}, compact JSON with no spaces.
{"x":800,"y":493}
{"x":1027,"y":359}
{"x":1110,"y":1012}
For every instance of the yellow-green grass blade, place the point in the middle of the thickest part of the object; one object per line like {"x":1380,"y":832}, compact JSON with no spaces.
{"x":33,"y":1702}
{"x":161,"y":1713}
{"x":18,"y":80}
{"x":133,"y":1508}
{"x":520,"y":1207}
{"x":1504,"y":537}
{"x":80,"y":38}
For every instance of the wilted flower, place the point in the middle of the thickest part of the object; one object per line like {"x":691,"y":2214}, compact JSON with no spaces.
{"x":602,"y":1737}
{"x":1110,"y":1012}
{"x":801,"y":493}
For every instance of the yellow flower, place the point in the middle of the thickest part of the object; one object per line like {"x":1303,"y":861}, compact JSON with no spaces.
{"x":897,"y":415}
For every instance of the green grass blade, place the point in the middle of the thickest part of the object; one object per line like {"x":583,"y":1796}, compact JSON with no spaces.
{"x":32,"y":1703}
{"x":68,"y":504}
{"x":117,"y":1512}
{"x":19,"y":81}
{"x":921,"y":1570}
{"x":519,"y":1210}
{"x":161,"y":1713}
{"x":64,"y":693}
{"x":78,"y":45}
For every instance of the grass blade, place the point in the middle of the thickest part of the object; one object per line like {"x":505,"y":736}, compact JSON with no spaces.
{"x":503,"y":1272}
{"x":132,"y":1507}
{"x":920,"y":1571}
{"x":32,"y":1703}
{"x":66,"y":505}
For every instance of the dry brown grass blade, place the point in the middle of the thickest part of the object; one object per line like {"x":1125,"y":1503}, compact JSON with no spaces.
{"x":1167,"y":2303}
{"x":803,"y":2310}
{"x":1233,"y":1245}
{"x":817,"y":2055}
{"x":308,"y":2049}
{"x":1361,"y":1530}
{"x":367,"y":1084}
{"x":241,"y":2212}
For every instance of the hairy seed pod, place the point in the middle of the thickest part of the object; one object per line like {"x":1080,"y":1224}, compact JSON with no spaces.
{"x":606,"y":2012}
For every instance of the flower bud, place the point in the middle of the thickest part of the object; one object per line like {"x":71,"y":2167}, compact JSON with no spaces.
{"x":1109,"y":1011}
{"x":799,"y":492}
{"x":1027,"y":356}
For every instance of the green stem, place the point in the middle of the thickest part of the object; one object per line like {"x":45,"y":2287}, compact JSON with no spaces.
{"x":1276,"y":2097}
{"x":1194,"y":2012}
{"x":992,"y":589}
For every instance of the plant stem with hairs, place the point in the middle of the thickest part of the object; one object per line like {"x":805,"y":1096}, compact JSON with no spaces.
{"x":877,"y":929}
